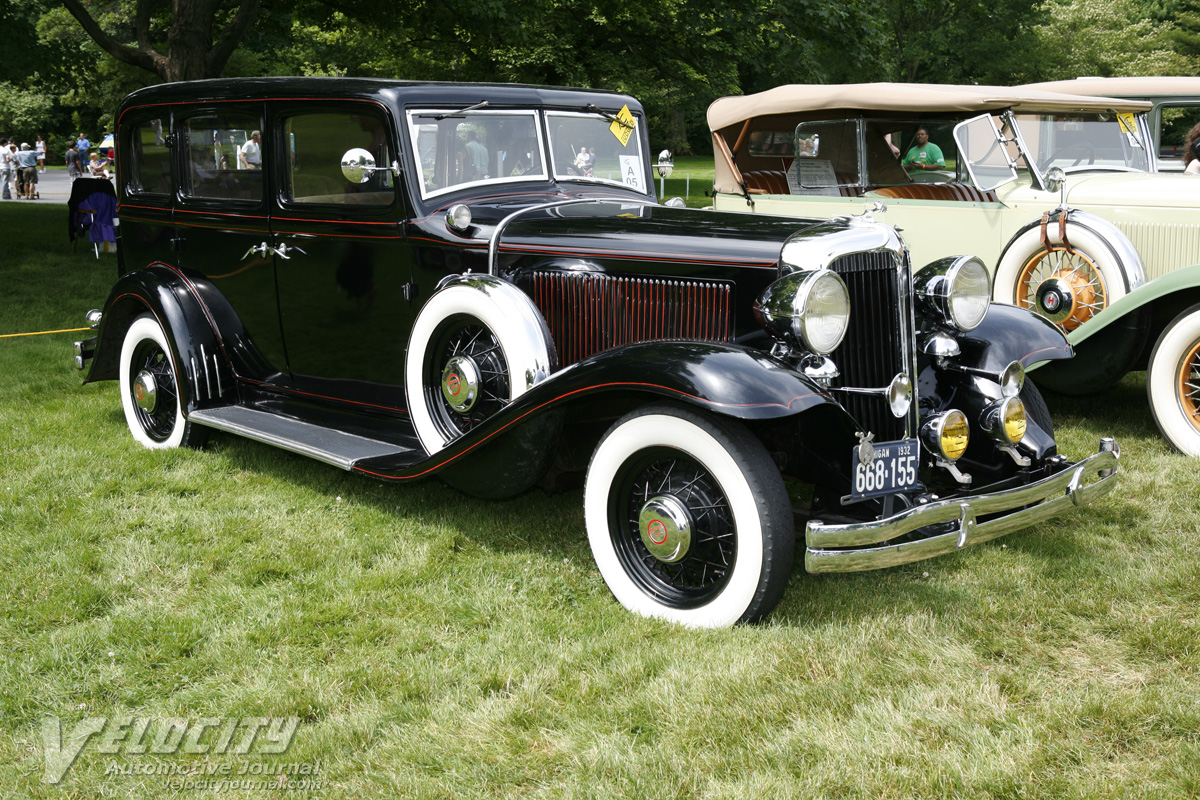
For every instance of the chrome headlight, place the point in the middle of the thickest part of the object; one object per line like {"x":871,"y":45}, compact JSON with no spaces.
{"x":956,"y":290}
{"x":809,"y":310}
{"x":1006,"y":420}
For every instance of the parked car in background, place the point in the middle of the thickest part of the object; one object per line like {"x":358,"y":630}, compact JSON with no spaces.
{"x":1175,"y":107}
{"x":1056,"y":193}
{"x":421,"y":281}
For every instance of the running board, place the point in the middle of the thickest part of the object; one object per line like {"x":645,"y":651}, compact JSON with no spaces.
{"x":324,"y":444}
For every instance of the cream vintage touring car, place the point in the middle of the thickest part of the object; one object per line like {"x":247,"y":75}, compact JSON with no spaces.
{"x":1056,"y":193}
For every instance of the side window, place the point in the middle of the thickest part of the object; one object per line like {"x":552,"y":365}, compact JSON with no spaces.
{"x":151,"y":160}
{"x":1176,"y":122}
{"x":224,"y":156}
{"x":316,"y":143}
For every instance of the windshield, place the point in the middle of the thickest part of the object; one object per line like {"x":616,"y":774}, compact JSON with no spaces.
{"x":590,"y":147}
{"x":463,"y":148}
{"x":1079,"y":142}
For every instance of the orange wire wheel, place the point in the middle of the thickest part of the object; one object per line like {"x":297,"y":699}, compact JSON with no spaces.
{"x":1188,"y":385}
{"x":1062,"y":285}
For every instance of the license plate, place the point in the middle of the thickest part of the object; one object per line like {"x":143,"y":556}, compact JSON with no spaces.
{"x":893,"y":469}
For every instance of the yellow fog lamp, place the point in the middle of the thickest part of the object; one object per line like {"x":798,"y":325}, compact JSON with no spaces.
{"x":1005,"y":420}
{"x":947,"y":433}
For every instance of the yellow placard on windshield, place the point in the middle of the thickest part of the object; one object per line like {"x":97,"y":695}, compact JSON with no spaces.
{"x":1128,"y":123}
{"x":623,"y":125}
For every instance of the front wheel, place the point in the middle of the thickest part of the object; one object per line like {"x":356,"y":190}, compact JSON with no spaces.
{"x":150,"y":389}
{"x":1066,"y":285}
{"x":1173,"y":382}
{"x":688,"y":518}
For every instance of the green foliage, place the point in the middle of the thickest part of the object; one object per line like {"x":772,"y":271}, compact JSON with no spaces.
{"x":1103,"y":38}
{"x":22,"y":111}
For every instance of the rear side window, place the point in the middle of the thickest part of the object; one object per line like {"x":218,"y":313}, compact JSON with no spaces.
{"x":150,"y":157}
{"x":224,"y":155}
{"x":316,"y":142}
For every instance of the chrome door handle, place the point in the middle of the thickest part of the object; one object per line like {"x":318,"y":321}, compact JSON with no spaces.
{"x":259,"y":250}
{"x":283,"y":250}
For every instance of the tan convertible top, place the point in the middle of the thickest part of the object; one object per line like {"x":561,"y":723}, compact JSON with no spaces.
{"x":914,"y":97}
{"x":1124,"y":87}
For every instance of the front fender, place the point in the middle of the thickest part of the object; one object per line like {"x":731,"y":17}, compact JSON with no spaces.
{"x":199,"y":353}
{"x":1010,"y":334}
{"x":1181,"y":280}
{"x":725,"y":379}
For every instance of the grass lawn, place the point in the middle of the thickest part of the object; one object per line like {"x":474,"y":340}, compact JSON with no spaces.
{"x":436,"y":646}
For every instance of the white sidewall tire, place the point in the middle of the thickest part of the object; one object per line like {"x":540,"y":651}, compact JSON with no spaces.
{"x":143,"y":328}
{"x":739,"y":594}
{"x":1176,"y":341}
{"x":1027,"y":244}
{"x":506,"y":316}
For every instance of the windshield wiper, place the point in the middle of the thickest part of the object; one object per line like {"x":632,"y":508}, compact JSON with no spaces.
{"x":440,"y":117}
{"x":608,"y":116}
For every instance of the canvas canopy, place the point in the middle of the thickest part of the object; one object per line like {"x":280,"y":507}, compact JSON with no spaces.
{"x":901,"y":97}
{"x":1131,"y":87}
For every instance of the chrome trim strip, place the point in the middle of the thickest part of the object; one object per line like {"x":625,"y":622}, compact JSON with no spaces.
{"x":1046,"y":498}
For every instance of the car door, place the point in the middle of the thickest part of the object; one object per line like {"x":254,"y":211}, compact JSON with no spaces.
{"x":342,"y":261}
{"x":222,"y":234}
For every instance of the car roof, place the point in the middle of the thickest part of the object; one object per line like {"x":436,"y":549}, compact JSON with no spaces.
{"x":914,"y":97}
{"x":402,"y":92}
{"x":1154,"y":86}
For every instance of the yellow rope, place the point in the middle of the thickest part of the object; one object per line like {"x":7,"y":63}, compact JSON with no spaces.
{"x":41,"y":333}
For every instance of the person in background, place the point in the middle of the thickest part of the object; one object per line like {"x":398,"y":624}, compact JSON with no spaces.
{"x":74,"y":163}
{"x":82,"y":144}
{"x":5,"y":170}
{"x":95,"y":167}
{"x":27,"y":177}
{"x":1191,"y":151}
{"x":924,"y":154}
{"x":250,"y":154}
{"x":39,"y":147}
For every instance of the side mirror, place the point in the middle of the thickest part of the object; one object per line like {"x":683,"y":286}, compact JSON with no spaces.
{"x":1055,"y":178}
{"x":358,"y":165}
{"x":665,"y":164}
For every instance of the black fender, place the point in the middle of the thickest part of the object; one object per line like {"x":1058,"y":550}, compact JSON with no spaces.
{"x":723,"y":379}
{"x":970,"y":382}
{"x":1009,"y":334}
{"x":167,"y":294}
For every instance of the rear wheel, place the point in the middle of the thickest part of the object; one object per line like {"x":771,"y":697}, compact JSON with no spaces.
{"x":688,"y":518}
{"x":1173,"y":382}
{"x":151,"y":390}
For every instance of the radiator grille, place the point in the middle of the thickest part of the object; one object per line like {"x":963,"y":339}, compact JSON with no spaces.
{"x":872,"y":352}
{"x":588,"y":312}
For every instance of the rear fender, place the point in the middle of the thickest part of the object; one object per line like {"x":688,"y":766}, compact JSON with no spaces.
{"x":199,"y":353}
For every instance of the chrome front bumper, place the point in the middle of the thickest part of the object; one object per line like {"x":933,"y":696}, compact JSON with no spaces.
{"x":846,"y":548}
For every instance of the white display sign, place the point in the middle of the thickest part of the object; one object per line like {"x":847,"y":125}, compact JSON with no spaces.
{"x":631,"y":172}
{"x":814,"y":176}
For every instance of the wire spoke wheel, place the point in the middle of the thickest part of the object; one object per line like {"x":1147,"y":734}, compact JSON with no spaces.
{"x":152,"y":388}
{"x":1065,"y":286}
{"x":466,"y":376}
{"x":700,"y":547}
{"x":1188,"y":385}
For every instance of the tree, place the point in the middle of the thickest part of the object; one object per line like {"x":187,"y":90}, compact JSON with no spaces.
{"x":191,"y":49}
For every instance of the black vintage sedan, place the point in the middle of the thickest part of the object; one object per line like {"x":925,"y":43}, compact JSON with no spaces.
{"x":476,"y":282}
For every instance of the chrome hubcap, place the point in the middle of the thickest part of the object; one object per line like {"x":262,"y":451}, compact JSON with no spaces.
{"x":145,"y":392}
{"x":460,"y":383}
{"x":666,"y":528}
{"x":1055,"y":299}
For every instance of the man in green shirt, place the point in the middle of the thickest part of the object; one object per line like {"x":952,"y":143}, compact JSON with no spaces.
{"x":924,"y":154}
